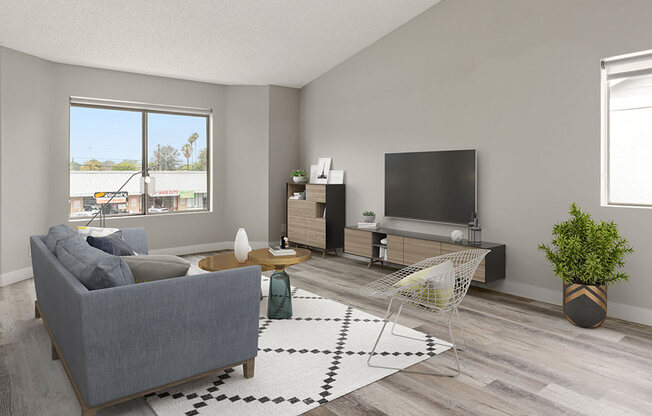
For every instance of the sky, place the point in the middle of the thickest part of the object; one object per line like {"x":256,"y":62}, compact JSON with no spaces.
{"x":116,"y":135}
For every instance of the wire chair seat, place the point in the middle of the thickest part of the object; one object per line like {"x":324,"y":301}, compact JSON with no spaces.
{"x":438,"y":293}
{"x":431,"y":295}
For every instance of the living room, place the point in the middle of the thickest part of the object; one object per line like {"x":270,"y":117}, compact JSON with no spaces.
{"x":100,"y":96}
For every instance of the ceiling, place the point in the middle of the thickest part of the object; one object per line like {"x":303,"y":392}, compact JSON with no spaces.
{"x":257,"y":42}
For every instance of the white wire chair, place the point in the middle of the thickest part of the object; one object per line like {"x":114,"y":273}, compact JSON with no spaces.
{"x":440,"y":295}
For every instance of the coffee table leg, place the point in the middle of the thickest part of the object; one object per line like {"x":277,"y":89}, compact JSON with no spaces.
{"x":279,"y":301}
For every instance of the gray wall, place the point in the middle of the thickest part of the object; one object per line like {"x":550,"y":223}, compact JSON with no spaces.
{"x":34,"y":149}
{"x":246,"y":165}
{"x":283,"y":152}
{"x":518,"y":80}
{"x":177,"y":230}
{"x":25,"y":101}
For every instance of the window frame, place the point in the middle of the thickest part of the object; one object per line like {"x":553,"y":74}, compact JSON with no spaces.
{"x":605,"y":112}
{"x":144,"y":110}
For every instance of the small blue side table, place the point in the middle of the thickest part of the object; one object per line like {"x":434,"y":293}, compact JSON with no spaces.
{"x":279,"y":302}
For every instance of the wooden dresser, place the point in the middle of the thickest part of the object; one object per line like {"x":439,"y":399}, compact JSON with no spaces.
{"x":318,"y":221}
{"x":406,"y":248}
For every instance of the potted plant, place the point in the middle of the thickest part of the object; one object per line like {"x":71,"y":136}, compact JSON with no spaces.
{"x":368,"y":216}
{"x":299,"y":176}
{"x":586,"y":255}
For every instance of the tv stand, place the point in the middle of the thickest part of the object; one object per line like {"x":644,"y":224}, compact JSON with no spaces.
{"x":406,"y":248}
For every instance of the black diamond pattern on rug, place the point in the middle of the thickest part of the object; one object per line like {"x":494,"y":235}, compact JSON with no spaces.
{"x":218,"y":388}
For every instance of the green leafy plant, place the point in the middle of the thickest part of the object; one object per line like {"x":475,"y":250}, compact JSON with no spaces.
{"x":368,"y":214}
{"x":298,"y":172}
{"x":585,"y":251}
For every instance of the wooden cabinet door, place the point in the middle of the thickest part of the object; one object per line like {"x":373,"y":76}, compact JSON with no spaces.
{"x":303,"y":208}
{"x":357,"y":242}
{"x":297,"y":229}
{"x":415,"y":250}
{"x":316,"y":193}
{"x":395,"y":249}
{"x":479,"y":275}
{"x":316,"y":232}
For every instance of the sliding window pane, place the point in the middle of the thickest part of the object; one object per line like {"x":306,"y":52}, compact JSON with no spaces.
{"x":630,"y":140}
{"x":178,"y":162}
{"x":105,"y":150}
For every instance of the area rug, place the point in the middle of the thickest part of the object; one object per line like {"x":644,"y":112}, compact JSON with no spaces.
{"x":303,"y":362}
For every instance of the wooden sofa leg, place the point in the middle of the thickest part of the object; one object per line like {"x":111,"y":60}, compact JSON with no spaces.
{"x":37,"y":314}
{"x":248,"y":367}
{"x":55,"y":356}
{"x":87,"y":412}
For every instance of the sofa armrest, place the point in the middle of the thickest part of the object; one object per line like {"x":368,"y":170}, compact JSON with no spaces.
{"x":142,"y":336}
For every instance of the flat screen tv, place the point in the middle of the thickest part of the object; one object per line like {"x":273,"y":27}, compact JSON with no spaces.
{"x":431,"y":186}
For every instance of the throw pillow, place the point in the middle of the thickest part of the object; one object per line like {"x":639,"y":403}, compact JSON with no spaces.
{"x":56,"y":234}
{"x":151,"y":267}
{"x":91,"y":266}
{"x":96,"y":231}
{"x":436,"y":284}
{"x":114,"y":244}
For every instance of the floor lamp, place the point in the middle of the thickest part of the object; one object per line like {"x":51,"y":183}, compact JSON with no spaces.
{"x":147,"y":179}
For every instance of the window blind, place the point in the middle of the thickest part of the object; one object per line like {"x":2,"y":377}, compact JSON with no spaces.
{"x":97,"y":102}
{"x":628,"y":65}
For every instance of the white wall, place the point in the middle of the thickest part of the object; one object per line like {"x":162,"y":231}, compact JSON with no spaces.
{"x":34,"y":155}
{"x":517,"y":80}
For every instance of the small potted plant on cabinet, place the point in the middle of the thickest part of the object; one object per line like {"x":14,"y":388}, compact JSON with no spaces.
{"x":368,"y":216}
{"x":586,"y":255}
{"x":299,"y":176}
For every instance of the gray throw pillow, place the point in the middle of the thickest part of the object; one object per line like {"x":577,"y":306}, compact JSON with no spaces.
{"x":150,"y":267}
{"x":93,"y":267}
{"x":56,"y":234}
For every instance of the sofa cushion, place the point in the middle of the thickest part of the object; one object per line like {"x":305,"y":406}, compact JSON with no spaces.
{"x":93,"y":267}
{"x":114,"y":244}
{"x":56,"y":234}
{"x":150,"y":267}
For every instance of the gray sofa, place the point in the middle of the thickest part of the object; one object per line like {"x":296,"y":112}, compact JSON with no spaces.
{"x":123,"y":342}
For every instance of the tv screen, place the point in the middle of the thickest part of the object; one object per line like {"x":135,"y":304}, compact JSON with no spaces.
{"x":431,"y":186}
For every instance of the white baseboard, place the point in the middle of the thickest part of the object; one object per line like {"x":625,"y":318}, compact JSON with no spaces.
{"x":614,"y":309}
{"x":16,"y":276}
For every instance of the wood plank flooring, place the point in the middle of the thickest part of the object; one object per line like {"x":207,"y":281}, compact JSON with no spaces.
{"x":523,"y":358}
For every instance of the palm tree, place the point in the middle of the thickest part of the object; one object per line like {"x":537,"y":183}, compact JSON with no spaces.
{"x":187,"y":152}
{"x":191,"y":140}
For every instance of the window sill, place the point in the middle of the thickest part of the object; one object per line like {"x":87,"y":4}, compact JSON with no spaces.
{"x":140,"y":216}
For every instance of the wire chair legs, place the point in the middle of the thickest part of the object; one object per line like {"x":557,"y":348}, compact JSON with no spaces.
{"x":386,"y":320}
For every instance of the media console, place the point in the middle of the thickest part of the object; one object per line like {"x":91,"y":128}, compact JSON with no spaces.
{"x":406,"y":248}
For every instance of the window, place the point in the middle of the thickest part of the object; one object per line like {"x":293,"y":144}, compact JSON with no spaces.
{"x":111,"y":142}
{"x":627,"y":131}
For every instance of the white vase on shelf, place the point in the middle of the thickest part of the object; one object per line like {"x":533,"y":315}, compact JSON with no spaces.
{"x":241,"y":246}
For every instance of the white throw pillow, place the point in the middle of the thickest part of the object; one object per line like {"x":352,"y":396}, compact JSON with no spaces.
{"x":438,"y":284}
{"x":95,"y":231}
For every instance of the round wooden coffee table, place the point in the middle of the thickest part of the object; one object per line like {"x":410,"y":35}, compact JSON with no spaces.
{"x":279,"y":301}
{"x":227,"y":261}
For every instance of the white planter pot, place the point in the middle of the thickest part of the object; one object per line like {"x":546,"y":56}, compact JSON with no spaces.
{"x":300,"y":179}
{"x":241,"y":246}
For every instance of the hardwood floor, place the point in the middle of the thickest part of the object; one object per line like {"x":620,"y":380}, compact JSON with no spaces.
{"x":523,"y":358}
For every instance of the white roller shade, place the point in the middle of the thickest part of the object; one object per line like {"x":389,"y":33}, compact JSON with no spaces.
{"x":97,"y":102}
{"x":628,"y":65}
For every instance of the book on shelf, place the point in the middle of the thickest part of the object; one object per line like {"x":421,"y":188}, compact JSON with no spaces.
{"x":368,"y":225}
{"x":278,"y":251}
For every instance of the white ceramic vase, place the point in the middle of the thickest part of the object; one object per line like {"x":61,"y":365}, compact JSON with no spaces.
{"x":241,"y":246}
